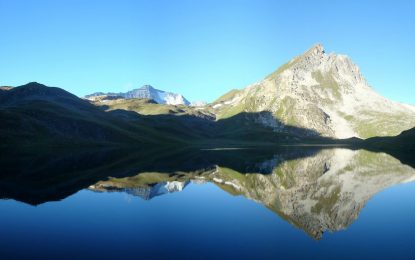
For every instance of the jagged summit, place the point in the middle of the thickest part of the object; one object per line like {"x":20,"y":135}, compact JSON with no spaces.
{"x":316,"y":60}
{"x":317,"y":49}
{"x":316,"y":52}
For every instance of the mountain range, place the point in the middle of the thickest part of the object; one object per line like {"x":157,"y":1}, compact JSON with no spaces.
{"x":315,"y":96}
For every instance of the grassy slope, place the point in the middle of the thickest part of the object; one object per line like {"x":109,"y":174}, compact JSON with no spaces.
{"x":234,"y":128}
{"x":34,"y":114}
{"x":149,"y":107}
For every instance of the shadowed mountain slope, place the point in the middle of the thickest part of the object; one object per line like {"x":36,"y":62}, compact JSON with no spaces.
{"x":38,"y":176}
{"x":34,"y":114}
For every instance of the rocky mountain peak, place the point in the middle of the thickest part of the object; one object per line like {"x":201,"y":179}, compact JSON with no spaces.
{"x":311,"y":60}
{"x":316,"y":50}
{"x":315,"y":67}
{"x":325,"y":93}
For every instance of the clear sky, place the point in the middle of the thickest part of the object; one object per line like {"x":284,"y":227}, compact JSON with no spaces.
{"x":200,"y":49}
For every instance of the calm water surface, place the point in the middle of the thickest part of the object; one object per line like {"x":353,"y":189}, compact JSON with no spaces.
{"x":334,"y":203}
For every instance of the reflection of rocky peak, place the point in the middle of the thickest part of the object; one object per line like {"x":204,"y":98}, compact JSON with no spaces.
{"x":323,"y":192}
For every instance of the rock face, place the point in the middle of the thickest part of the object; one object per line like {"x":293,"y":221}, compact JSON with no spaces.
{"x":321,"y":92}
{"x":146,"y":92}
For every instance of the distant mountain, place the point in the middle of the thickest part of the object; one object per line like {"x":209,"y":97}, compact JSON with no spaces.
{"x":322,"y":92}
{"x":5,"y":88}
{"x":145,"y":191}
{"x":147,"y":92}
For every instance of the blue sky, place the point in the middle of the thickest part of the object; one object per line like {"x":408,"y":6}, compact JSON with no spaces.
{"x":200,"y":49}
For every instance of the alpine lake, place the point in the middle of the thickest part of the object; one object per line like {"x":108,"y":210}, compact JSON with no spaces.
{"x":214,"y":203}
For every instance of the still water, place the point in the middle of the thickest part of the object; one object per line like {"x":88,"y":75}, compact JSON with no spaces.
{"x":220,"y":204}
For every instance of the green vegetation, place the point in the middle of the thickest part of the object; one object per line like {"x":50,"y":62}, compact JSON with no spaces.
{"x":285,"y":174}
{"x":381,"y":124}
{"x":149,"y":107}
{"x":283,"y":68}
{"x":327,"y":202}
{"x":285,"y":111}
{"x":327,"y":84}
{"x":144,"y":179}
{"x":233,"y":110}
{"x":227,"y":96}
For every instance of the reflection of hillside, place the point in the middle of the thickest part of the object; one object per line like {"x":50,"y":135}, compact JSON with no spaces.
{"x":36,"y":177}
{"x":323,"y":192}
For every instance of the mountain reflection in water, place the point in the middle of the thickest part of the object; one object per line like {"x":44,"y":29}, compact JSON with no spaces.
{"x":314,"y":189}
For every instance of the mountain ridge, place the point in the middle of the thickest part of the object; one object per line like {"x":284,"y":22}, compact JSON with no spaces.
{"x":315,"y":96}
